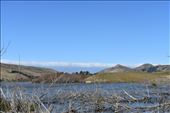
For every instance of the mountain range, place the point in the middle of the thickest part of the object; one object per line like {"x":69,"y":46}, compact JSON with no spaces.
{"x":149,"y":68}
{"x":11,"y":72}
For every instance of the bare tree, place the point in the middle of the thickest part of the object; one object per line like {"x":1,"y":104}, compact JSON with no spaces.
{"x":4,"y":49}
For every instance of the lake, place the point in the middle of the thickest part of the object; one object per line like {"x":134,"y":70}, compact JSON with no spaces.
{"x":93,"y":97}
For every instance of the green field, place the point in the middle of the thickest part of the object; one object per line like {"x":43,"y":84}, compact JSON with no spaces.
{"x":128,"y":77}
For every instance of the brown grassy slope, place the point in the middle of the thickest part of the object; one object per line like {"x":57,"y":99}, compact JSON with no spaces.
{"x":11,"y":72}
{"x":128,"y":77}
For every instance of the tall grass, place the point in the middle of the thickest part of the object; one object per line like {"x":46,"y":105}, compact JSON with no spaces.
{"x":85,"y":101}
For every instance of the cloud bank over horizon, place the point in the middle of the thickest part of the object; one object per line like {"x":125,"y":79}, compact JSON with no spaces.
{"x":57,"y":63}
{"x":63,"y":66}
{"x":67,"y":64}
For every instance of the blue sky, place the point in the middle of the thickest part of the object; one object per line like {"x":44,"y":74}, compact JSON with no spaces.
{"x":88,"y":32}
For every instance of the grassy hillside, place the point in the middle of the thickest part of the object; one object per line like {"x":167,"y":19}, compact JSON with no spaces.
{"x":11,"y":72}
{"x":128,"y":77}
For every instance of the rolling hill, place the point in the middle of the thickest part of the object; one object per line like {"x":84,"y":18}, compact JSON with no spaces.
{"x":149,"y":68}
{"x":117,"y":68}
{"x":12,"y":72}
{"x":143,"y":73}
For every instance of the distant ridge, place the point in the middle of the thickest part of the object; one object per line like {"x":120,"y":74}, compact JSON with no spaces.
{"x":151,"y":68}
{"x":142,"y":68}
{"x":117,"y":68}
{"x":146,"y":68}
{"x":163,"y":68}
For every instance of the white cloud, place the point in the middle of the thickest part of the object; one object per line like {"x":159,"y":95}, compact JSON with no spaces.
{"x":66,"y":64}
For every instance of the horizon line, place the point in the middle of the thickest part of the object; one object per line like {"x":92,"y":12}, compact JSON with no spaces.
{"x":69,"y":64}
